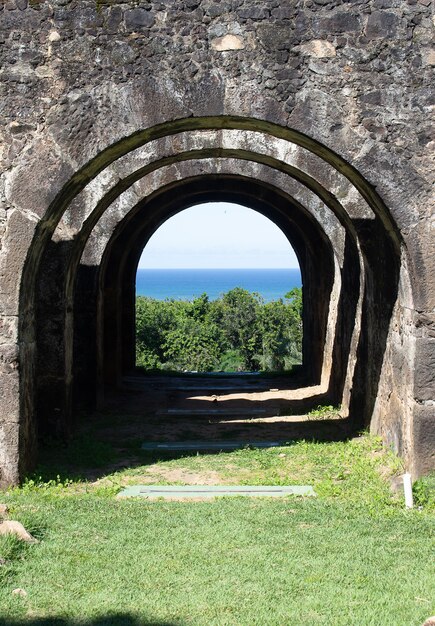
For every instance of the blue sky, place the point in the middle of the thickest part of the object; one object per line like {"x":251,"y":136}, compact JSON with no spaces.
{"x":218,"y":235}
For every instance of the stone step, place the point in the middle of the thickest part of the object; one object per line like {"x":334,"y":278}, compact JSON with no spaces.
{"x":234,"y":388}
{"x":208,"y":491}
{"x":205,"y":412}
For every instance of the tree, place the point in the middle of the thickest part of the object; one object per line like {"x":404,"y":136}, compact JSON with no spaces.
{"x":193,"y":346}
{"x":237,"y":315}
{"x":237,"y":332}
{"x":281,"y":332}
{"x":155,"y":318}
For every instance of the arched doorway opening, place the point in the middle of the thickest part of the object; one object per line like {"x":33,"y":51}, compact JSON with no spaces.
{"x":211,"y":289}
{"x":312,"y":247}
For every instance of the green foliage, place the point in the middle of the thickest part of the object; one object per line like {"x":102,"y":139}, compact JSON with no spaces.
{"x":39,"y":485}
{"x":192,"y":345}
{"x":424,"y":492}
{"x":237,"y":332}
{"x":295,"y":297}
{"x":238,"y":312}
{"x":323,"y":412}
{"x":231,"y":361}
{"x":280,"y":325}
{"x":154,"y":319}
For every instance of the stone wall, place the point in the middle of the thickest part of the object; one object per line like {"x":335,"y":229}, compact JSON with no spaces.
{"x":81,"y":79}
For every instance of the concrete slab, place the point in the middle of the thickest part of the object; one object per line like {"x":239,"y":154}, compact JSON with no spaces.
{"x":218,"y":388}
{"x":212,"y":412}
{"x":207,"y":491}
{"x":207,"y":445}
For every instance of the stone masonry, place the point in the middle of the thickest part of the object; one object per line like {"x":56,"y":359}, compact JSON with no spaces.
{"x":116,"y":115}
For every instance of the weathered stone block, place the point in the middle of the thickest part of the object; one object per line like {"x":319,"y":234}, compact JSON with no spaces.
{"x":428,"y":57}
{"x":424,"y":382}
{"x":8,"y":329}
{"x":9,"y":453}
{"x":9,"y":356}
{"x":253,"y":13}
{"x":113,"y":20}
{"x":137,"y":19}
{"x":284,"y":12}
{"x":215,"y":10}
{"x":340,"y":22}
{"x":88,"y":18}
{"x":10,"y":397}
{"x":425,"y":324}
{"x":381,"y":24}
{"x":34,"y":183}
{"x":424,"y":439}
{"x":273,"y":38}
{"x":16,"y":241}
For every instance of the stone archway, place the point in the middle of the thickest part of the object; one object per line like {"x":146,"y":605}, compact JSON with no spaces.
{"x":106,"y":105}
{"x":88,"y":242}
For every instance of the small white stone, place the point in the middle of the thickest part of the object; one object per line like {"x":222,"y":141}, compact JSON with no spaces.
{"x":319,"y":48}
{"x":228,"y":42}
{"x":19,"y":592}
{"x":44,"y":71}
{"x":54,"y":36}
{"x":428,"y":57}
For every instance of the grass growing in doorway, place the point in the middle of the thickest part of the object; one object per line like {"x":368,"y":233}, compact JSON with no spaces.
{"x":351,"y":556}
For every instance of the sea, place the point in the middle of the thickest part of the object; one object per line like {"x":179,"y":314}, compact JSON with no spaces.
{"x":187,"y":284}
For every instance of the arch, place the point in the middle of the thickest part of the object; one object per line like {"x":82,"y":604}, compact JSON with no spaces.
{"x":369,"y":273}
{"x":123,"y":251}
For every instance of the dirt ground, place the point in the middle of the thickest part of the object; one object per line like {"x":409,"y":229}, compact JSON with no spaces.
{"x":218,"y":407}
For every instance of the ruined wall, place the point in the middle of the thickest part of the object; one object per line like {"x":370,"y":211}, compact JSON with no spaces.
{"x":355,"y":76}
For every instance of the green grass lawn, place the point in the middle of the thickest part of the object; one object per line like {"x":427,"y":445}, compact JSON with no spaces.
{"x":353,"y":556}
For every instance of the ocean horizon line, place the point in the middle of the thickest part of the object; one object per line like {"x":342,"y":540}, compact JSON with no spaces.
{"x":188,"y":283}
{"x":226,"y":269}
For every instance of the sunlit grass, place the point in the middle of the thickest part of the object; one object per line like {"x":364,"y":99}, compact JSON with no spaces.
{"x":353,"y":555}
{"x":356,"y":471}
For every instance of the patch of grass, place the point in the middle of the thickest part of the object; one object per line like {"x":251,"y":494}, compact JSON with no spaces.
{"x":424,"y":492}
{"x":223,"y":563}
{"x":355,"y":471}
{"x":11,"y":550}
{"x":67,"y":463}
{"x":87,"y":451}
{"x":354,"y":555}
{"x":65,"y":487}
{"x":323,"y":412}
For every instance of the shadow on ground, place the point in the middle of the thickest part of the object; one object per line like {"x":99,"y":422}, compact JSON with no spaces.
{"x":118,"y":619}
{"x":90,"y":457}
{"x":165,"y":409}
